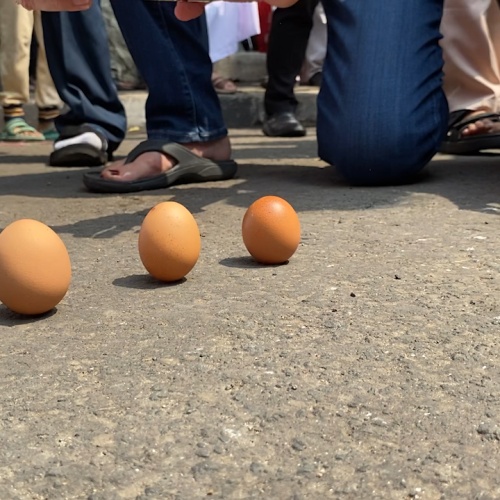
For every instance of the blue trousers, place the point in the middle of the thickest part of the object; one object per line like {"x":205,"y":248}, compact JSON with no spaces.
{"x":172,"y":57}
{"x":381,"y":110}
{"x":77,"y":53}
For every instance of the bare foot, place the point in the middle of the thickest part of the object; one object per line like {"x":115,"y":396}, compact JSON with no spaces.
{"x":485,"y":126}
{"x":153,"y":163}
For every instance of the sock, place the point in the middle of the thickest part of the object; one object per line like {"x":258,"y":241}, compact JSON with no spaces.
{"x":48,"y":113}
{"x":90,"y":138}
{"x":12,"y":111}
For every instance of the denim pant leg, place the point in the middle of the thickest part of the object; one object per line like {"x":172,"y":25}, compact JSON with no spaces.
{"x":173,"y":59}
{"x":77,"y":53}
{"x":381,"y":110}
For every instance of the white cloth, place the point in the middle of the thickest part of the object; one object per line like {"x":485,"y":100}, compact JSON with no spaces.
{"x":316,"y":48}
{"x":471,"y":51}
{"x":228,"y":24}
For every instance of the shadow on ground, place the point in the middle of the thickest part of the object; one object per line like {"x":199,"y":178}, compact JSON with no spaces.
{"x":10,"y":318}
{"x":145,"y":282}
{"x":283,"y":168}
{"x":246,"y":262}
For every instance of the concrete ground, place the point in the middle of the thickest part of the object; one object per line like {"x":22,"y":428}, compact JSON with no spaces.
{"x":245,"y":109}
{"x":367,"y":367}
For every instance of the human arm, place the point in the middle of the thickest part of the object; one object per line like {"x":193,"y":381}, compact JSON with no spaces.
{"x":184,"y":10}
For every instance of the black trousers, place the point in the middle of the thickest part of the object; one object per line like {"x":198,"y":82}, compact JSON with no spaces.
{"x":288,"y":38}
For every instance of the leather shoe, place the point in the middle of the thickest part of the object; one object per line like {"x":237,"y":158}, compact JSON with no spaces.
{"x":283,"y":125}
{"x":316,"y":79}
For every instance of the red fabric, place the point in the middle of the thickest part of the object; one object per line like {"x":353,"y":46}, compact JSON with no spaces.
{"x":265,"y":15}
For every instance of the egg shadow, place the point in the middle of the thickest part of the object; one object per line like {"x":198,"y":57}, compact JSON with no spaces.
{"x":11,"y":318}
{"x":247,"y":262}
{"x":145,"y":282}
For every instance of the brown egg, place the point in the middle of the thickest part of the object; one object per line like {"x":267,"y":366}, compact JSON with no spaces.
{"x":271,"y":230}
{"x":35,"y":270}
{"x":169,"y":241}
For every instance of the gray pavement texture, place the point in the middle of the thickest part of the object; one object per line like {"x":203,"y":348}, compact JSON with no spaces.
{"x":368,"y":367}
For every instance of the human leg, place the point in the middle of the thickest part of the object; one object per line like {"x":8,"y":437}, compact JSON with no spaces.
{"x":172,"y":57}
{"x":471,"y":51}
{"x":16,"y":29}
{"x":316,"y":49}
{"x":182,"y":106}
{"x":123,"y":68}
{"x":288,"y":38}
{"x":77,"y":53}
{"x":381,"y":109}
{"x":228,"y":24}
{"x":46,"y":97}
{"x":56,"y":5}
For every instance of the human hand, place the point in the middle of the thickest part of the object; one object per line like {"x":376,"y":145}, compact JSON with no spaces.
{"x":56,"y":5}
{"x":184,"y":10}
{"x":187,"y":10}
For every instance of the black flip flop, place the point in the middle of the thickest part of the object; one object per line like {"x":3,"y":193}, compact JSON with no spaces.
{"x":189,"y":168}
{"x":456,"y":144}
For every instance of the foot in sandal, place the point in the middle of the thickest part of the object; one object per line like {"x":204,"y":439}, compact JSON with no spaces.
{"x":17,"y":130}
{"x":157,"y":164}
{"x":223,"y":85}
{"x":470,"y":132}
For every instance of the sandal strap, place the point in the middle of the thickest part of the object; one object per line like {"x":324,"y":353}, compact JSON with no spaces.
{"x":216,"y":80}
{"x":221,"y":83}
{"x":173,"y":149}
{"x":459,"y":120}
{"x":18,"y":125}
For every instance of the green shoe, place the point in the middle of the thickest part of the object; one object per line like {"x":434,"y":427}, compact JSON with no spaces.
{"x":51,"y":134}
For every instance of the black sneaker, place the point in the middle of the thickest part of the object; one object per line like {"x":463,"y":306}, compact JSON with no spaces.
{"x":283,"y":125}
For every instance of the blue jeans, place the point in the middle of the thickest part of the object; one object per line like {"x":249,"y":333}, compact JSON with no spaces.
{"x":381,"y":110}
{"x":77,"y":53}
{"x":172,"y":57}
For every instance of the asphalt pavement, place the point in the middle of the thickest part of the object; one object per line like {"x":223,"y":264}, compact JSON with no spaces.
{"x":367,"y":367}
